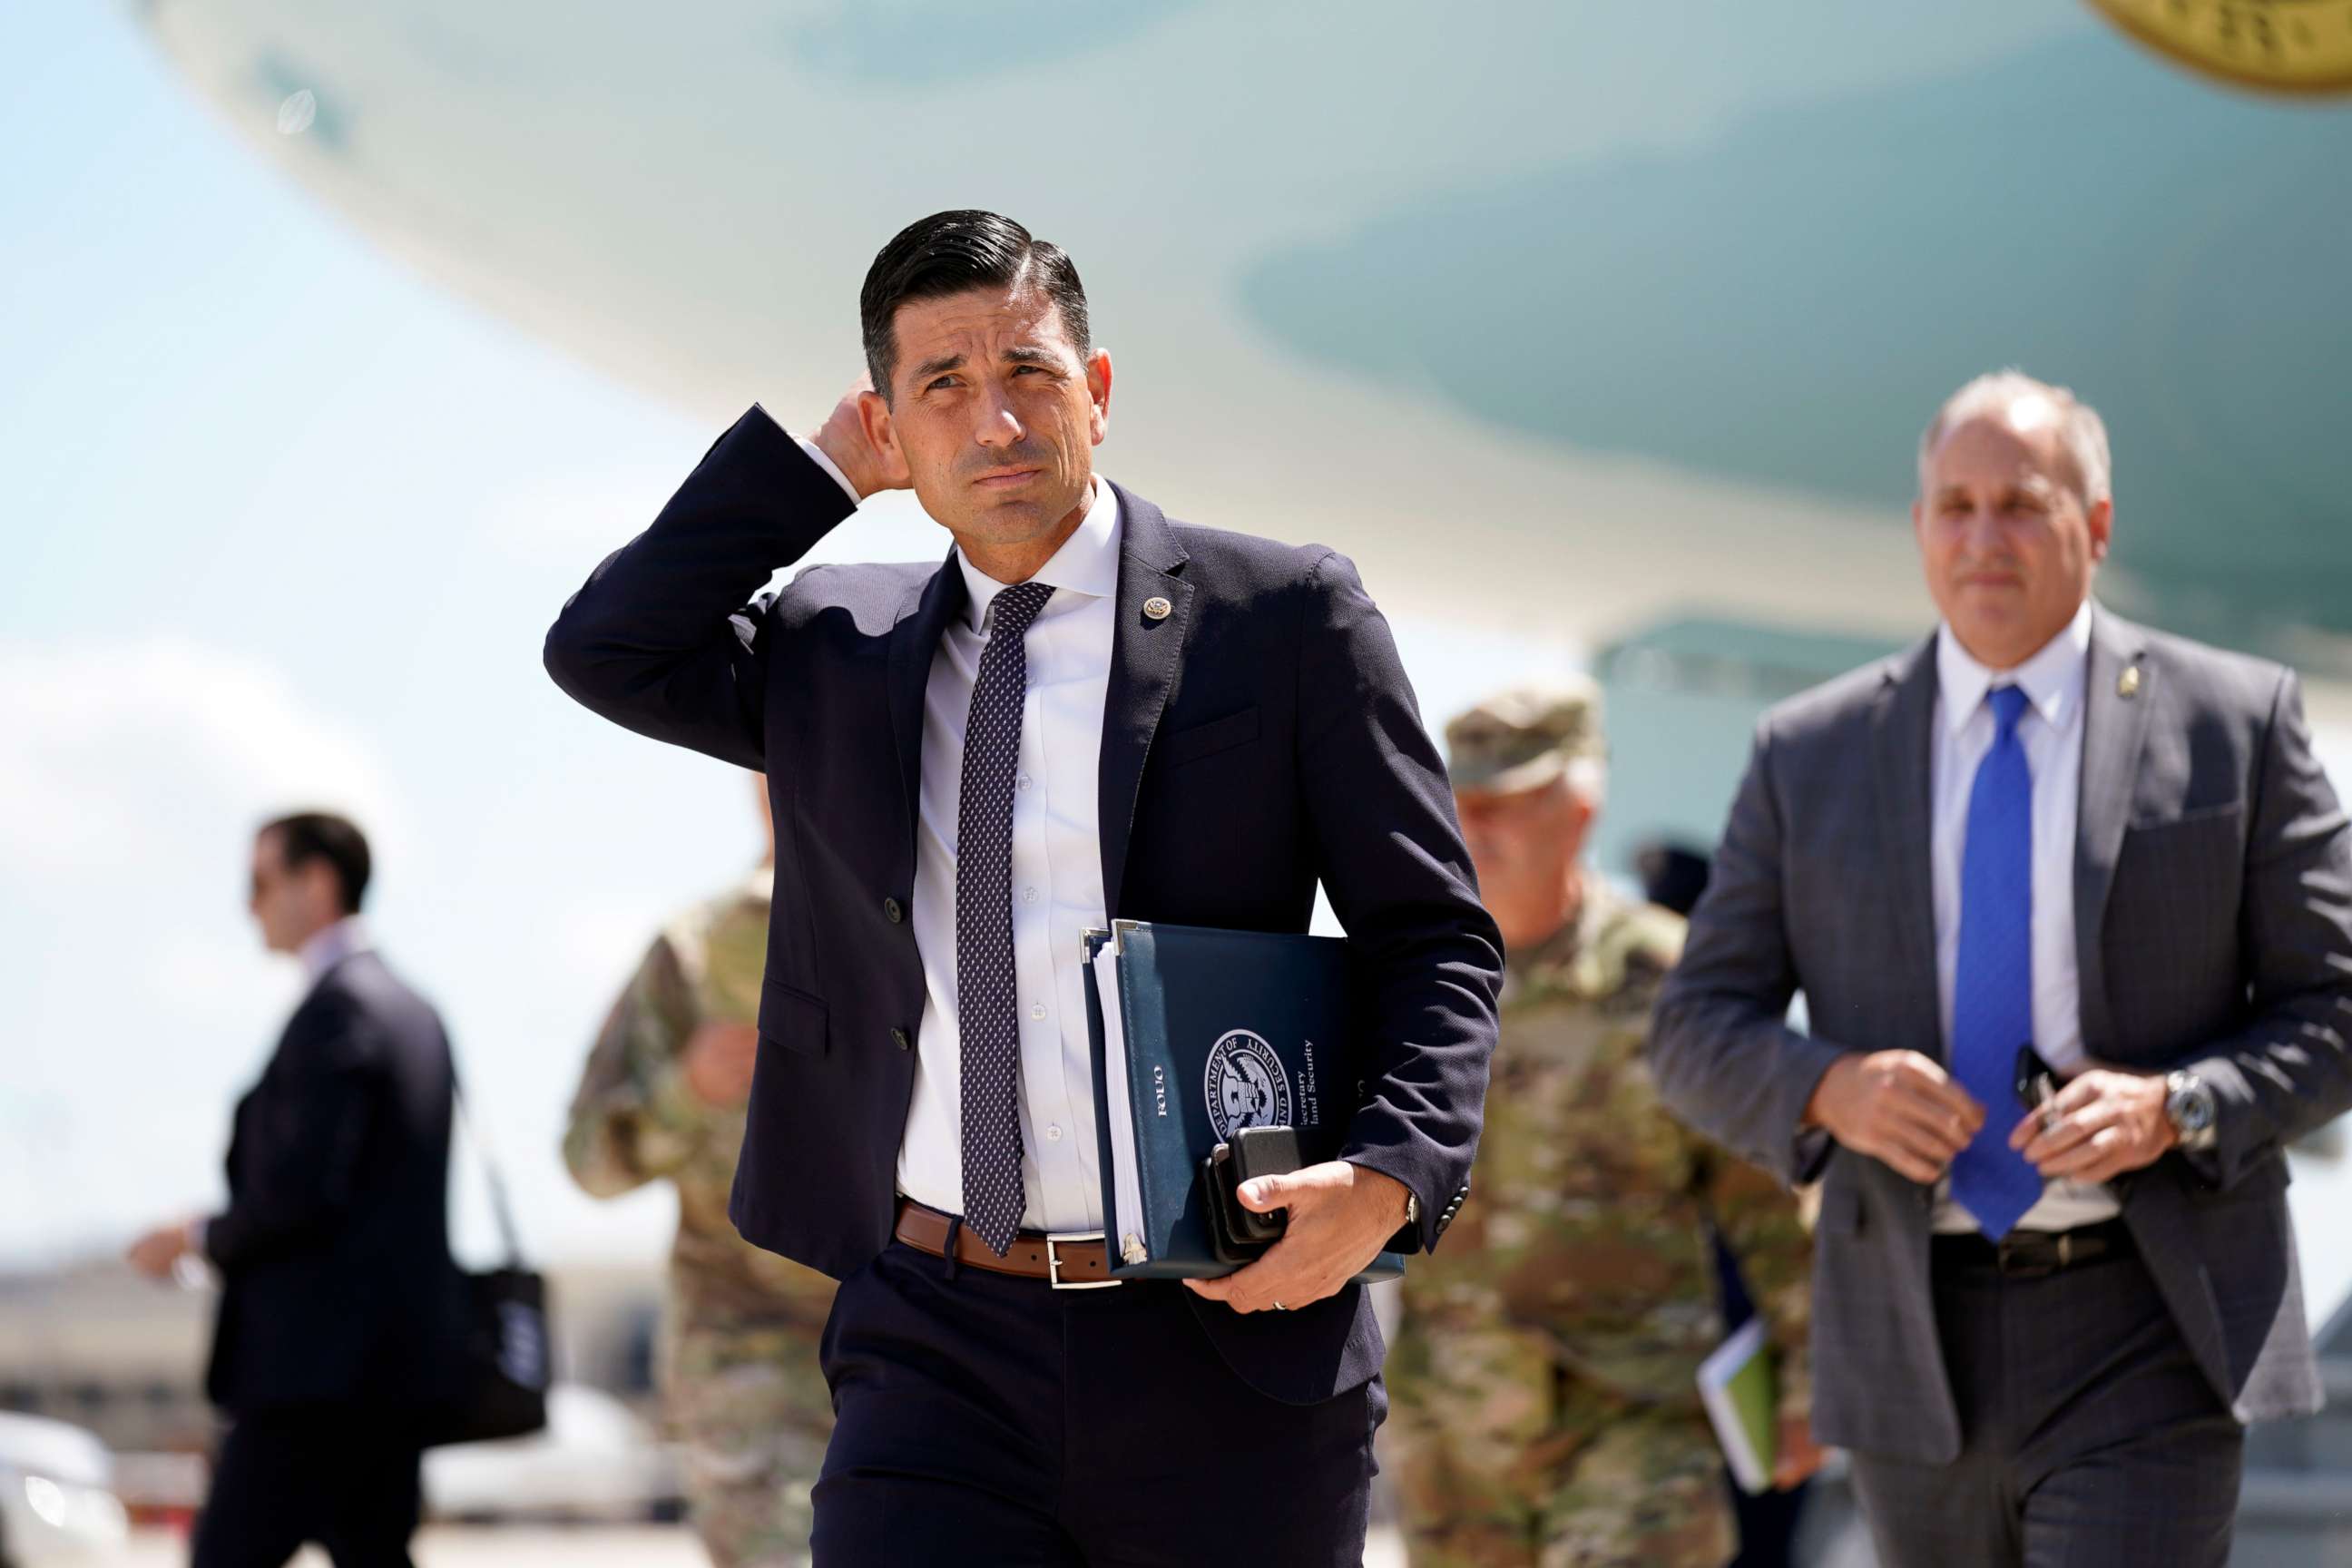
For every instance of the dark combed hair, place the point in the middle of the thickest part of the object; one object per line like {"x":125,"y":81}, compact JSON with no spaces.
{"x":949,"y":252}
{"x":322,"y":836}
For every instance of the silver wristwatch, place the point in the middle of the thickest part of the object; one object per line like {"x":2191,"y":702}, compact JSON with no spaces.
{"x":2189,"y":1106}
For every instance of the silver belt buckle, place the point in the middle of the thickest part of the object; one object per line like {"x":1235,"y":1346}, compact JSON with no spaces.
{"x":1054,"y":1240}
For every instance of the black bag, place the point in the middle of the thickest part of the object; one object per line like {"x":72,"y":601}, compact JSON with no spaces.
{"x":508,"y":1354}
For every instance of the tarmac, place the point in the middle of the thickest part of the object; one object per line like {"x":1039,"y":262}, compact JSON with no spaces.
{"x":576,"y":1546}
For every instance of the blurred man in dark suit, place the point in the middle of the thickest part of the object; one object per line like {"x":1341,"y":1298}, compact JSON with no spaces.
{"x":341,"y":1314}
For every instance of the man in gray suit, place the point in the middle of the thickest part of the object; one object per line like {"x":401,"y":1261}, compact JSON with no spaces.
{"x":2038,"y":1333}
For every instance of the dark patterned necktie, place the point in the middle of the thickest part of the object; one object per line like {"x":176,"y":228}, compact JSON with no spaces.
{"x":986,"y":1008}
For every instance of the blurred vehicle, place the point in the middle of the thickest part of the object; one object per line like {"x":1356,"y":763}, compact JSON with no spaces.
{"x":56,"y":1502}
{"x":595,"y":1460}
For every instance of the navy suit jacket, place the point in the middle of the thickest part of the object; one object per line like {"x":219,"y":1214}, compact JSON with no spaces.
{"x":337,"y":1284}
{"x":1260,"y":737}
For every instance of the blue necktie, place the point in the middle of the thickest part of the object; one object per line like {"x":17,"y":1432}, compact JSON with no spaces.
{"x":1992,"y":984}
{"x":986,"y":1007}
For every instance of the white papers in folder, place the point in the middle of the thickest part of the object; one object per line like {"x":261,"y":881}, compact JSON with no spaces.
{"x":1127,"y":1226}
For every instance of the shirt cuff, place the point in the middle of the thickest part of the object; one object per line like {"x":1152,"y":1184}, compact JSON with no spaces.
{"x":817,"y":454}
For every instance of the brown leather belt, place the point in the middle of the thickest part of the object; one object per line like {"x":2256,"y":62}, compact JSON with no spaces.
{"x":1081,"y":1262}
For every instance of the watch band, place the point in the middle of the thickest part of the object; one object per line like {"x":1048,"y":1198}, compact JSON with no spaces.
{"x":2190,"y":1107}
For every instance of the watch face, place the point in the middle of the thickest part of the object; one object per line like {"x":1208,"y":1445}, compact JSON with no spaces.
{"x":2286,"y":45}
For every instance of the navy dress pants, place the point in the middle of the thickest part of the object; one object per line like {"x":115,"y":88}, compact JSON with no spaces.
{"x":985,"y":1419}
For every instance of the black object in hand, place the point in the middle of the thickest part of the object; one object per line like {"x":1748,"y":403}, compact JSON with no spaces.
{"x":2037,"y":1081}
{"x":1237,"y":1235}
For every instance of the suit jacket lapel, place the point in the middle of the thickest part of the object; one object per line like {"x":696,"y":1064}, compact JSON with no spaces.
{"x":2115,"y":725}
{"x":913,"y":641}
{"x":1899,"y":736}
{"x":1145,"y":654}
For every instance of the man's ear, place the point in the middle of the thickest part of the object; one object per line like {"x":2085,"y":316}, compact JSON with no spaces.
{"x":1576,"y":819}
{"x":1580,"y":816}
{"x":2102,"y":519}
{"x":321,"y":886}
{"x":1099,"y":390}
{"x":874,"y":419}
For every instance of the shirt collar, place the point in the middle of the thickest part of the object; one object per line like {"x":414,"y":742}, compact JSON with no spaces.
{"x":332,"y":945}
{"x":1087,"y":562}
{"x":2052,"y":679}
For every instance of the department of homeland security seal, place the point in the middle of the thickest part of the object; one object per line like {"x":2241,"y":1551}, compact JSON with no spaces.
{"x":2285,"y":45}
{"x":1244,"y":1085}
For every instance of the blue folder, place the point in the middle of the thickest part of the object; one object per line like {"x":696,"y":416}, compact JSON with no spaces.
{"x":1196,"y":1034}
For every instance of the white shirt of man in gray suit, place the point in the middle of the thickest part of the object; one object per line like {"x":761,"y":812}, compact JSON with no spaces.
{"x":2071,"y":1383}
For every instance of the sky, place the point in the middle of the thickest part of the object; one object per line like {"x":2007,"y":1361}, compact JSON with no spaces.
{"x":284,"y":525}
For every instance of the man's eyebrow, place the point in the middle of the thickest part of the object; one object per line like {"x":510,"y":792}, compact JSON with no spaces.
{"x":939,"y":366}
{"x":1028,"y":353}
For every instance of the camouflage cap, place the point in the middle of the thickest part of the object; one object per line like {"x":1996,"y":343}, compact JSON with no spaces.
{"x":1526,"y":736}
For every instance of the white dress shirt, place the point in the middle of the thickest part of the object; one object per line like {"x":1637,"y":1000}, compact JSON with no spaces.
{"x":2051,"y":735}
{"x":330,"y":945}
{"x":1057,"y":878}
{"x":1057,"y":882}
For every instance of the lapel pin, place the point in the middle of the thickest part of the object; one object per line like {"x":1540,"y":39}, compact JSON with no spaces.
{"x":1158,"y":609}
{"x":2127,"y":683}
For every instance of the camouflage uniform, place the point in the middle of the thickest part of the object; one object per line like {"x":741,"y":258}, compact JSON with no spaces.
{"x":740,"y":1351}
{"x":1544,"y":1374}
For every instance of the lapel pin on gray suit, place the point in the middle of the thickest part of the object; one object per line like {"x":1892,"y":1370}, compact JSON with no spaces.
{"x":2041,"y":1335}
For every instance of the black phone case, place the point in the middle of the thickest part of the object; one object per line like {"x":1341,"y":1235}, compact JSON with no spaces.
{"x":1236,"y":1235}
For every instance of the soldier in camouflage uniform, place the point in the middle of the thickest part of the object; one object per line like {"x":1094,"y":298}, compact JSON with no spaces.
{"x":1544,"y":1377}
{"x":662,"y":1097}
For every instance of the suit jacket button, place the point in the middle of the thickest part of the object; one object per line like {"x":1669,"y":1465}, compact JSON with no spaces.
{"x":899,"y":1038}
{"x":893,"y":911}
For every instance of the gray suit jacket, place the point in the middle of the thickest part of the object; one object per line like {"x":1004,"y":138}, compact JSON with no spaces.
{"x":2213,"y":930}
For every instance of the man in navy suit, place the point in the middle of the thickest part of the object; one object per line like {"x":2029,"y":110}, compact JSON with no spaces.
{"x":342,"y":1320}
{"x":1086,"y":711}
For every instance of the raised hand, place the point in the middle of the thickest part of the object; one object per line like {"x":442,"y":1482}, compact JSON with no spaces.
{"x":846,"y":437}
